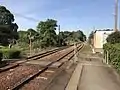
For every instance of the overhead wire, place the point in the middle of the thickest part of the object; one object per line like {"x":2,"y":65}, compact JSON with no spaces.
{"x":26,"y":17}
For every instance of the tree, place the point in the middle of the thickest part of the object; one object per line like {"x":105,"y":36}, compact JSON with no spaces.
{"x":47,"y":32}
{"x":75,"y":36}
{"x":62,"y":39}
{"x":6,"y":17}
{"x":8,"y":29}
{"x":114,"y":38}
{"x":34,"y":34}
{"x":23,"y":37}
{"x":91,"y":37}
{"x":79,"y":36}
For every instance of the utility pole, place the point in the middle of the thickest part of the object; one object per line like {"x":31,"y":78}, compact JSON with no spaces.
{"x":93,"y":40}
{"x":116,"y":16}
{"x":59,"y":34}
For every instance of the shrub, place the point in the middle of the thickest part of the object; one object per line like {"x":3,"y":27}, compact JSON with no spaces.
{"x":10,"y":53}
{"x":114,"y":54}
{"x":114,"y":37}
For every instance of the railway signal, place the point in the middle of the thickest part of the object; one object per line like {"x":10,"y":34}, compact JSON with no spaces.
{"x":30,"y":42}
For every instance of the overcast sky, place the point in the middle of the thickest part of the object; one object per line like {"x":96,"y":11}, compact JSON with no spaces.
{"x":70,"y":14}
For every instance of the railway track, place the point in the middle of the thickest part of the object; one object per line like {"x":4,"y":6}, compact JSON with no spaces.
{"x":34,"y":77}
{"x":40,"y":55}
{"x":34,"y":57}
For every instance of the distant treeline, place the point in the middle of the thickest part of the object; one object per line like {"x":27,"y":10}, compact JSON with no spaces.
{"x":44,"y":35}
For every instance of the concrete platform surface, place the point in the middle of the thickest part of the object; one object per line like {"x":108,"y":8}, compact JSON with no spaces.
{"x":95,"y":75}
{"x":98,"y":77}
{"x":73,"y":83}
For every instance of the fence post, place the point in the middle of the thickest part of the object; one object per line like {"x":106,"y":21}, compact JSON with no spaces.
{"x":105,"y":57}
{"x":107,"y":60}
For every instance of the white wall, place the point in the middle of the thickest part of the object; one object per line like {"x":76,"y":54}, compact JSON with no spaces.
{"x":100,"y":38}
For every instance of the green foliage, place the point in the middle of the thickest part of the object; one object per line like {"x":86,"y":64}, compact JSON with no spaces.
{"x":45,"y":36}
{"x":8,"y":29}
{"x":114,"y":54}
{"x":75,"y":36}
{"x":90,"y":38}
{"x":10,"y":53}
{"x":33,"y":33}
{"x":80,"y":35}
{"x":114,"y":38}
{"x":23,"y":37}
{"x":6,"y":17}
{"x":47,"y":32}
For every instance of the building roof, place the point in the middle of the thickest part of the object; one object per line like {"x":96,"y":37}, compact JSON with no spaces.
{"x":104,"y":30}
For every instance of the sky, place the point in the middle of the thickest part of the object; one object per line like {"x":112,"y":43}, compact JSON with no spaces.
{"x":71,"y":15}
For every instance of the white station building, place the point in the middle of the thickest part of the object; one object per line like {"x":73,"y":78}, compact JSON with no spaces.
{"x":100,"y":37}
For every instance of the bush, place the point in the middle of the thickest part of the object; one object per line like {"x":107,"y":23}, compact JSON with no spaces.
{"x":10,"y":53}
{"x":114,"y":54}
{"x":114,"y":37}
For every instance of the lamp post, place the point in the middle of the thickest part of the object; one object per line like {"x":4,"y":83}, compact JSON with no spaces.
{"x":116,"y":16}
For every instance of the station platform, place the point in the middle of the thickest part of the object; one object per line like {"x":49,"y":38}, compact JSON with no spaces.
{"x":92,"y":74}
